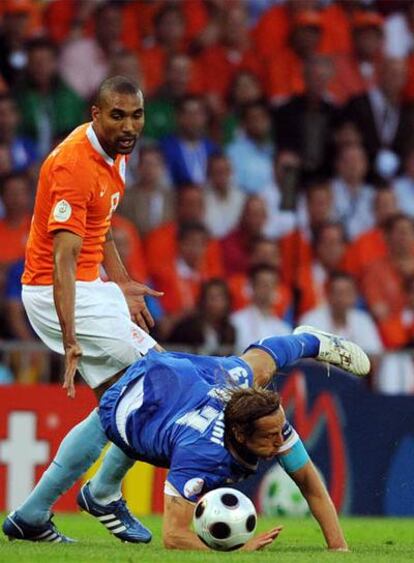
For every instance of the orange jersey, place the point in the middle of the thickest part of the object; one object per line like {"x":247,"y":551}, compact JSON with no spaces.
{"x":79,"y":188}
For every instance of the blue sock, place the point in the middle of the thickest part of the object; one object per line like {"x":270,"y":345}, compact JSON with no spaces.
{"x":287,"y":349}
{"x":77,"y":452}
{"x":105,"y":485}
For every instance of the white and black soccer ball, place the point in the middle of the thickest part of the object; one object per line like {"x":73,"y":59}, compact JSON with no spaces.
{"x":224,"y":519}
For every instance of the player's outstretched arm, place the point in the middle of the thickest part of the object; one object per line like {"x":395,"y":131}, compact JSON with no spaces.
{"x":313,"y":489}
{"x":176,"y":533}
{"x":66,"y":248}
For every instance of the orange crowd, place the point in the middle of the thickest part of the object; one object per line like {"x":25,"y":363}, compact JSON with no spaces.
{"x":274,"y":181}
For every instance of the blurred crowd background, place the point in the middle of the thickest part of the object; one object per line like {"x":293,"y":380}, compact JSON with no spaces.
{"x":273,"y":184}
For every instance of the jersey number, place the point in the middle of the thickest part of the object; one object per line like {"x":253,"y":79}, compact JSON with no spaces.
{"x":114,"y":204}
{"x":199,"y":419}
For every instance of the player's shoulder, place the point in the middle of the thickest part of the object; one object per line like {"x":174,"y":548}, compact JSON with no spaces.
{"x":73,"y":153}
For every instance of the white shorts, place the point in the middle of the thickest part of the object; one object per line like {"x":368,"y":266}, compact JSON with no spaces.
{"x":110,"y":341}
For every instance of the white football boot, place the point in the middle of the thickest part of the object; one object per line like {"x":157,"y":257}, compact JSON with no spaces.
{"x":339,"y":351}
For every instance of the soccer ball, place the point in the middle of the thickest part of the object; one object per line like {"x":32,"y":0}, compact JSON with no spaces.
{"x":224,"y":519}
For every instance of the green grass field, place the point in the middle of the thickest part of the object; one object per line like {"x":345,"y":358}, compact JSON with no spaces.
{"x":370,"y":540}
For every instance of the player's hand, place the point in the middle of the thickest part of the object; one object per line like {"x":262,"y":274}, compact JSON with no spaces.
{"x":262,"y":540}
{"x":135,"y":293}
{"x":73,"y":353}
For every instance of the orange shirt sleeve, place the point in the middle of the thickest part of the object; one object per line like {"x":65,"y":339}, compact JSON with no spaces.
{"x":70,"y":195}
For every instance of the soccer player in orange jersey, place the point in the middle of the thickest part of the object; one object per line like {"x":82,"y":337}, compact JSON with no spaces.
{"x":97,"y":325}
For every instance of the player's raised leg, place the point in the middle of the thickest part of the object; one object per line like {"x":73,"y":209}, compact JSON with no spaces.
{"x":305,"y":342}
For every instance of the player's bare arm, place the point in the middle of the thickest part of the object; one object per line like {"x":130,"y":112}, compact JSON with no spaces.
{"x":66,"y":248}
{"x":178,"y":515}
{"x":134,"y":292}
{"x":176,"y":533}
{"x":313,"y":489}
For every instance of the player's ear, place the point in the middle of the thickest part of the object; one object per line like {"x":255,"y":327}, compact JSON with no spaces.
{"x":238,"y":434}
{"x":95,"y":111}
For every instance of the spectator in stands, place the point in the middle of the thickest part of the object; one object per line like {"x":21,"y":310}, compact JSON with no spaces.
{"x":345,"y":133}
{"x":251,"y":152}
{"x":404,"y":184}
{"x":245,"y":89}
{"x":263,"y":251}
{"x":274,"y":27}
{"x":129,"y":246}
{"x":22,"y":150}
{"x":384,"y":281}
{"x":315,"y":208}
{"x":184,"y":276}
{"x":49,"y":108}
{"x":186,"y":153}
{"x":170,"y":39}
{"x":6,"y":164}
{"x":15,"y":225}
{"x":16,"y":317}
{"x":162,"y":243}
{"x":258,"y":319}
{"x":285,"y":76}
{"x":384,"y":122}
{"x":13,"y":36}
{"x":234,"y":52}
{"x":149,"y":202}
{"x":399,"y":35}
{"x":330,"y":253}
{"x":209,"y":327}
{"x":236,"y":246}
{"x":371,"y":245}
{"x":282,"y":195}
{"x":340,"y":314}
{"x":305,"y":123}
{"x":352,"y":196}
{"x":160,"y":118}
{"x":356,"y":73}
{"x":84,"y":62}
{"x":125,"y":63}
{"x":223,"y":199}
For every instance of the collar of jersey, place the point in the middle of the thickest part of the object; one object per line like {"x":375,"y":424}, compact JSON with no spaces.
{"x":93,"y":139}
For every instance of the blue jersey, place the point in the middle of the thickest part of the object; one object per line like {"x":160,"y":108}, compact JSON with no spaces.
{"x":168,"y":410}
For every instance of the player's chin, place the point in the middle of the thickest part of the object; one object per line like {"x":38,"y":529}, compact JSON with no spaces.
{"x":125,"y":147}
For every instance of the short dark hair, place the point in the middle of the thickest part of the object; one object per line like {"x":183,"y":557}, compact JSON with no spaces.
{"x":6,"y":178}
{"x":207,"y":285}
{"x":188,"y":98}
{"x":191,"y":227}
{"x":256,"y":104}
{"x":41,"y":43}
{"x":394,"y":219}
{"x":258,"y":269}
{"x":164,"y":10}
{"x":245,"y":406}
{"x":339,"y":275}
{"x":328,"y":225}
{"x":118,"y":84}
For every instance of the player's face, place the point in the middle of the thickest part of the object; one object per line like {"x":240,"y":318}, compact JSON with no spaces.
{"x":267,"y":437}
{"x":118,"y":122}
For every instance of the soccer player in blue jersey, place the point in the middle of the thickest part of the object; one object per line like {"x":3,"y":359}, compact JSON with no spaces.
{"x":210,"y":420}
